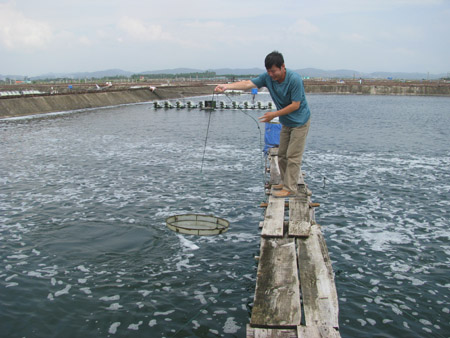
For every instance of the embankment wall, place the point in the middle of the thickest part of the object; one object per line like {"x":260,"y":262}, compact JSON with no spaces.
{"x":370,"y":89}
{"x":21,"y":106}
{"x":29,"y":105}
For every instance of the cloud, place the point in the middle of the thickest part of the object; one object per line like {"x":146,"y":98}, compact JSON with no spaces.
{"x":139,"y":30}
{"x":304,"y":27}
{"x":354,"y":38}
{"x":406,"y":52}
{"x":326,"y":34}
{"x":20,"y":32}
{"x":417,"y":2}
{"x":211,"y":25}
{"x":84,"y":40}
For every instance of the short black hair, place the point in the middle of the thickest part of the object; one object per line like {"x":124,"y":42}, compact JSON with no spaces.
{"x":274,"y":58}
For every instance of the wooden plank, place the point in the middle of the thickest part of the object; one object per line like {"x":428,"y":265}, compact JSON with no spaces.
{"x":312,"y":214}
{"x":274,"y":218}
{"x":277,"y":293}
{"x":300,"y":332}
{"x":317,"y":332}
{"x":253,"y":332}
{"x":317,"y":282}
{"x":286,"y":205}
{"x":264,"y":204}
{"x":299,"y":217}
{"x":275,"y":177}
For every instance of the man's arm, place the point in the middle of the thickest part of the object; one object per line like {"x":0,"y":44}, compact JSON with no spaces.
{"x":241,"y":85}
{"x":269,"y":116}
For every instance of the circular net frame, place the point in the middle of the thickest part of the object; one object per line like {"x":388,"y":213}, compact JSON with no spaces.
{"x":195,"y":224}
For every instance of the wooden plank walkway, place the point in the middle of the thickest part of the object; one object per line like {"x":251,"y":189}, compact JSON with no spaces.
{"x":274,"y":218}
{"x":277,"y":294}
{"x":295,"y":294}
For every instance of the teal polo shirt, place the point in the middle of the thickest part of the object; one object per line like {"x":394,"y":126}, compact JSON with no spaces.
{"x":283,"y":94}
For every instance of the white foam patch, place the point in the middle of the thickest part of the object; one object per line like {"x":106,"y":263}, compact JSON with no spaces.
{"x":362,"y":322}
{"x":187,"y":244}
{"x":371,"y":321}
{"x":200,"y":296}
{"x":184,"y":263}
{"x":135,"y":327}
{"x":425,"y":322}
{"x":7,"y":279}
{"x":113,"y":328}
{"x":114,"y":307}
{"x":64,"y":291}
{"x":230,"y":326}
{"x":145,"y":293}
{"x":34,"y":274}
{"x":17,"y":256}
{"x":220,"y":312}
{"x":82,"y":268}
{"x":8,"y":285}
{"x":110,"y":298}
{"x":382,"y":240}
{"x":164,"y":313}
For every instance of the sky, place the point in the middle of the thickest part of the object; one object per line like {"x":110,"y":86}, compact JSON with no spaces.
{"x":45,"y":36}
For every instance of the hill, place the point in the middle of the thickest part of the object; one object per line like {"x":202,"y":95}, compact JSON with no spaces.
{"x":305,"y":72}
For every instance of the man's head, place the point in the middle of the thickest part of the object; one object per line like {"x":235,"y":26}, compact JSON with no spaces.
{"x":276,"y":69}
{"x":274,"y":59}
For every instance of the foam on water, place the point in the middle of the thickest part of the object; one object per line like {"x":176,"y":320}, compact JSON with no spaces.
{"x":187,"y":244}
{"x":113,"y":327}
{"x":390,"y":218}
{"x":84,"y":198}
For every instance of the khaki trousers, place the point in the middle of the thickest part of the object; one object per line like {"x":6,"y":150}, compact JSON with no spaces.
{"x":290,"y":153}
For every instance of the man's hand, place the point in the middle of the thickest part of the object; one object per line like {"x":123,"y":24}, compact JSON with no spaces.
{"x":241,"y":85}
{"x":220,"y":88}
{"x":267,"y":117}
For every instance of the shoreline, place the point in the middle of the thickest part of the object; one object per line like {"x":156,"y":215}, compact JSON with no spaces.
{"x":77,"y":97}
{"x":378,"y":87}
{"x":36,"y":104}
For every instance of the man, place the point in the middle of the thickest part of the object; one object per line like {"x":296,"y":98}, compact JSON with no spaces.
{"x":288,"y":94}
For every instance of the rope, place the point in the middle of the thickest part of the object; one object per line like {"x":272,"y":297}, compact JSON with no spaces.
{"x":261,"y":148}
{"x":260,"y":138}
{"x":206,"y":140}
